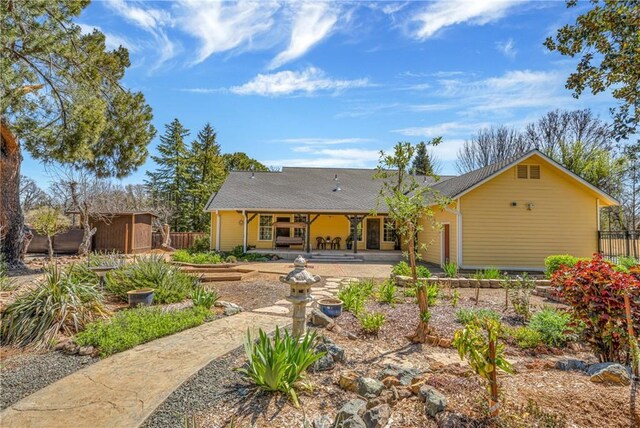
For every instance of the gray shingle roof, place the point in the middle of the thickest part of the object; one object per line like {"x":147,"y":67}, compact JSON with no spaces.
{"x":301,"y":189}
{"x":314,"y":189}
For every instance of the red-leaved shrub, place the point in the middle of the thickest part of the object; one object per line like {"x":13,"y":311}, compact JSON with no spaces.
{"x":595,"y":292}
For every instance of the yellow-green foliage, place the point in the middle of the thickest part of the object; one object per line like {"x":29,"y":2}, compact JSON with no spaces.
{"x":371,"y":322}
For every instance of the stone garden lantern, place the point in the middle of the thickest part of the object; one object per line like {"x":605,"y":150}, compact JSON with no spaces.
{"x":300,"y":281}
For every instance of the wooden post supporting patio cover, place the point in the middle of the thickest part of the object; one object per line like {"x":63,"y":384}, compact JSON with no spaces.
{"x":246,"y":228}
{"x":355,"y":220}
{"x":308,"y":231}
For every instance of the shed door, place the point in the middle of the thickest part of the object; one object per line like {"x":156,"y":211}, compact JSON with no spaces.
{"x":445,"y":244}
{"x":373,"y":234}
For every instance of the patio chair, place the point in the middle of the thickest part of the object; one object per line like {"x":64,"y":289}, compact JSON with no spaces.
{"x":335,"y":243}
{"x":320,"y":243}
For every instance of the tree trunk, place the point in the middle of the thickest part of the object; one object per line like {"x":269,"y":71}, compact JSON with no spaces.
{"x":50,"y":241}
{"x":11,"y":218}
{"x":422,"y":331}
{"x":87,"y":234}
{"x":493,"y":381}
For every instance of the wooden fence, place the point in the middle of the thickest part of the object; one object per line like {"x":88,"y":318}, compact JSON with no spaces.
{"x":613,"y":244}
{"x":179,"y":240}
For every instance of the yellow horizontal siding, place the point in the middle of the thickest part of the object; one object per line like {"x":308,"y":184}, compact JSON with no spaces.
{"x":212,"y":241}
{"x":431,"y":237}
{"x":231,"y":230}
{"x":563,"y":219}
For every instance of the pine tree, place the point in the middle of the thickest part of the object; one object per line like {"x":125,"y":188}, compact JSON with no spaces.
{"x":422,"y":164}
{"x":208,"y":172}
{"x":169,"y":182}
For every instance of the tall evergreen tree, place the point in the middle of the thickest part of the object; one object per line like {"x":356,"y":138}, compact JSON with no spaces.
{"x":239,"y":161}
{"x":170,"y":181}
{"x":208,"y":172}
{"x":422,"y":162}
{"x":62,"y":100}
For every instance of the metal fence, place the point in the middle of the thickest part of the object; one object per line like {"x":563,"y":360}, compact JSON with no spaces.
{"x":179,"y":240}
{"x":619,"y":243}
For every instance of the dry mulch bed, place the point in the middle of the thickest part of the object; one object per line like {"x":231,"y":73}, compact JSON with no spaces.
{"x":537,"y":395}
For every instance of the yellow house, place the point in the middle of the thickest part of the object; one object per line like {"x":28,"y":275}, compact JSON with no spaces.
{"x":510,"y":215}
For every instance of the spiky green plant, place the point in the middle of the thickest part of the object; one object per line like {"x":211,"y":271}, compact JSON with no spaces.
{"x":387,"y":292}
{"x":450,"y":269}
{"x":371,"y":322}
{"x":275,"y":365}
{"x":171,"y":285}
{"x":62,"y":302}
{"x":204,"y":297}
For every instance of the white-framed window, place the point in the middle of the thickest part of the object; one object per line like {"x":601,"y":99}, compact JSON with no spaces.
{"x":298,"y":232}
{"x":388,"y":234}
{"x":265,"y":232}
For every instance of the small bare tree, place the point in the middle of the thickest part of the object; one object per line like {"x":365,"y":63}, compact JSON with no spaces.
{"x":48,"y":221}
{"x":409,"y":203}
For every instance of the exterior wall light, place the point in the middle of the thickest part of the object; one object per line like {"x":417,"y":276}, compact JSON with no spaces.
{"x":530,"y":206}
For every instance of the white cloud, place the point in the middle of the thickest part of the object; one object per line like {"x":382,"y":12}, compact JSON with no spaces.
{"x":112,"y":41}
{"x":446,"y":128}
{"x":323,"y":141}
{"x":445,"y":13}
{"x":289,"y":82}
{"x":152,"y":21}
{"x":312,"y":23}
{"x":508,"y":48}
{"x":223,"y":26}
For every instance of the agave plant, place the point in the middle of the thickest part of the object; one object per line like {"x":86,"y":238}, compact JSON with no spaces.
{"x":61,"y":303}
{"x":276,"y":365}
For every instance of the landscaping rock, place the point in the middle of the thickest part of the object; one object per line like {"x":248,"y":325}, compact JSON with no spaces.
{"x":377,"y":417}
{"x":452,"y":420}
{"x":348,"y":380}
{"x":403,"y":374}
{"x":435,"y":402}
{"x":85,"y":350}
{"x":368,"y":387}
{"x":229,"y":308}
{"x":571,"y":364}
{"x":231,"y":311}
{"x":352,"y":408}
{"x":386,"y":397}
{"x":60,"y":345}
{"x":335,"y":351}
{"x":70,"y":348}
{"x":353,"y":422}
{"x":609,"y":373}
{"x":323,"y":364}
{"x":322,"y":422}
{"x":320,"y":319}
{"x":390,"y":381}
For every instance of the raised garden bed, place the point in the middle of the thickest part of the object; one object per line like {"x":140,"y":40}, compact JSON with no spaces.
{"x":462,"y":282}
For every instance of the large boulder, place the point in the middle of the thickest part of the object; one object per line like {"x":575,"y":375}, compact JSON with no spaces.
{"x":609,"y":373}
{"x":320,"y":319}
{"x":368,"y":387}
{"x":377,"y":417}
{"x":571,"y":364}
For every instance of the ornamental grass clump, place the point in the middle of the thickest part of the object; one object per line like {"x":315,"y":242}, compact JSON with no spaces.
{"x":371,"y":322}
{"x":595,"y":293}
{"x":170,"y":284}
{"x":403,"y":269}
{"x":63,"y":302}
{"x":387,"y":292}
{"x":203,"y":297}
{"x":275,"y":365}
{"x":354,"y":295}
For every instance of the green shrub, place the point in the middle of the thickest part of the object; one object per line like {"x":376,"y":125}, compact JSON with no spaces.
{"x":132,"y":327}
{"x":403,"y":269}
{"x":276,"y":365}
{"x":552,"y":325}
{"x":488,"y":273}
{"x":465,"y":316}
{"x":171,"y":285}
{"x":450,"y":269}
{"x":354,"y":295}
{"x":519,"y":291}
{"x":203,"y":297}
{"x":526,"y":337}
{"x":208,"y":257}
{"x":231,"y":259}
{"x":200,"y":245}
{"x":626,"y":263}
{"x":387,"y":292}
{"x":410,"y":292}
{"x":60,"y":303}
{"x":554,"y":263}
{"x":371,"y":322}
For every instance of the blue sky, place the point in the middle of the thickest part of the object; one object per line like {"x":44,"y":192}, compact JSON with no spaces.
{"x":332,"y":84}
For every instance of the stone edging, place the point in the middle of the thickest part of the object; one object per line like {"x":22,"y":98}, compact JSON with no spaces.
{"x":461,"y":282}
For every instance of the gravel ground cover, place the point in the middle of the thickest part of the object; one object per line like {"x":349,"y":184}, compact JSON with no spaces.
{"x":24,"y":373}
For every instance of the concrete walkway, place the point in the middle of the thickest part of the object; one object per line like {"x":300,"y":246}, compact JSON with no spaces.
{"x":123,"y":390}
